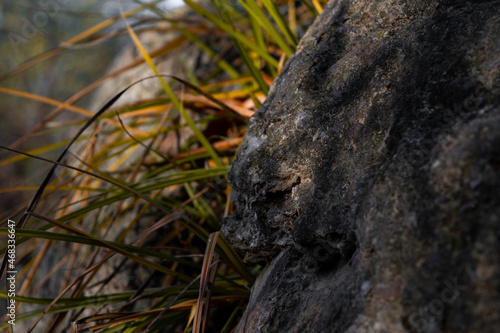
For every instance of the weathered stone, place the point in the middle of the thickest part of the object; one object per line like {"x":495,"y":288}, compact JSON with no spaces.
{"x":369,"y":179}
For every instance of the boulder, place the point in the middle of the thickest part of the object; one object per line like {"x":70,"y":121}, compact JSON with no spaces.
{"x":368,"y":184}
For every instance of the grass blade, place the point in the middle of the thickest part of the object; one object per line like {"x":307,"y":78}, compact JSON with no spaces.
{"x":231,"y":32}
{"x":206,"y":280}
{"x":254,"y":10}
{"x":282,"y":24}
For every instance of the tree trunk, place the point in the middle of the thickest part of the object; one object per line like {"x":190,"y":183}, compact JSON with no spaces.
{"x":368,"y":182}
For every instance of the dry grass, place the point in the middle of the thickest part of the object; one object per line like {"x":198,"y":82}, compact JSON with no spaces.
{"x":125,"y":225}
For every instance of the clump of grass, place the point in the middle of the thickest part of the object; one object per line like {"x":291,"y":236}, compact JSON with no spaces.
{"x":119,"y":205}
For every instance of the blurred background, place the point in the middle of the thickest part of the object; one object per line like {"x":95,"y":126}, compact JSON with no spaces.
{"x":29,"y":30}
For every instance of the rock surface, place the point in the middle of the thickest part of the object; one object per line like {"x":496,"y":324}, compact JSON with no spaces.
{"x":369,"y":180}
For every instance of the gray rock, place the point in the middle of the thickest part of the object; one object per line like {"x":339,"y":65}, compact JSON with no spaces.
{"x":368,"y":182}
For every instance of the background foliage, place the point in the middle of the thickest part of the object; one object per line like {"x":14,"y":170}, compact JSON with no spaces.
{"x":118,"y":207}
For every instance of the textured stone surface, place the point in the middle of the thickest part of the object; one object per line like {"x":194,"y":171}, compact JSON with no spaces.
{"x":369,"y":180}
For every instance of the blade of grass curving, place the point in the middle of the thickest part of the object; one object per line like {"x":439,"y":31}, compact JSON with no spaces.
{"x":140,"y":142}
{"x":199,"y":135}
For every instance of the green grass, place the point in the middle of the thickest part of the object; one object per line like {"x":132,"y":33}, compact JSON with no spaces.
{"x":119,"y":204}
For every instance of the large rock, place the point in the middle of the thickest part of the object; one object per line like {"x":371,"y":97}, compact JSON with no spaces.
{"x":369,"y":179}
